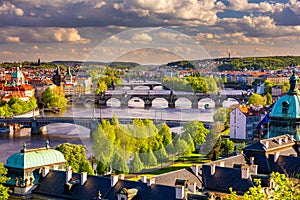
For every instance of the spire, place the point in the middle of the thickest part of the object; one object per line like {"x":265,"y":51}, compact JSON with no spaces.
{"x":47,"y":144}
{"x":69,"y":70}
{"x":293,"y":83}
{"x":57,"y":70}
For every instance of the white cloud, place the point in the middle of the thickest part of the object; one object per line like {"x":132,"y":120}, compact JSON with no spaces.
{"x":9,"y":9}
{"x":41,"y":35}
{"x":141,"y":38}
{"x":264,"y":6}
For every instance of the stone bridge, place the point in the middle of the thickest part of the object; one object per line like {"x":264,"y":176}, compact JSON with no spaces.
{"x":38,"y":123}
{"x":149,"y":97}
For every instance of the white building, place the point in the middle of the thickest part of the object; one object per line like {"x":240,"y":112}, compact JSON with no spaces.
{"x":244,"y":120}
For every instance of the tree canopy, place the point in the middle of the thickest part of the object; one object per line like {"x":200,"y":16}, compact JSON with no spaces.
{"x":54,"y":96}
{"x":4,"y":191}
{"x":257,"y":100}
{"x":75,"y":156}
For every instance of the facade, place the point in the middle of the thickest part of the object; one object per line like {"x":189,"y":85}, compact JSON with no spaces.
{"x":58,"y":78}
{"x":244,"y":121}
{"x":285,"y":114}
{"x":26,"y":167}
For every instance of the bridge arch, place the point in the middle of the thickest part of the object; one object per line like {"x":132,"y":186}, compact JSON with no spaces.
{"x":227,"y":103}
{"x":136,"y":102}
{"x":141,"y":87}
{"x":113,"y":102}
{"x":202,"y":103}
{"x":183,"y":102}
{"x":160,"y":103}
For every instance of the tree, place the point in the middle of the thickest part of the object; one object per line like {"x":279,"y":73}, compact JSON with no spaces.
{"x":119,"y":164}
{"x":284,"y":189}
{"x":227,"y":146}
{"x":75,"y":156}
{"x":136,"y":164}
{"x":197,"y":131}
{"x":222,"y":115}
{"x":102,"y":87}
{"x":54,"y":96}
{"x":4,"y":191}
{"x":85,"y":166}
{"x":101,"y":168}
{"x":161,"y":155}
{"x":269,"y":99}
{"x":148,"y":158}
{"x":165,"y":132}
{"x":256,"y":100}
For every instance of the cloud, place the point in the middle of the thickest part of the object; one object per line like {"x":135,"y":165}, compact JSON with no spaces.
{"x":9,"y":9}
{"x":41,"y":35}
{"x":141,"y":38}
{"x":244,"y":5}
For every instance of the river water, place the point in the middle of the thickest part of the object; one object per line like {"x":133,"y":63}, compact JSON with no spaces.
{"x":62,"y":133}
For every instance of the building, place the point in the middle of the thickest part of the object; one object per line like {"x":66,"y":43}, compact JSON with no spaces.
{"x":58,"y":78}
{"x":285,"y":114}
{"x":258,"y":161}
{"x":29,"y":165}
{"x":244,"y":121}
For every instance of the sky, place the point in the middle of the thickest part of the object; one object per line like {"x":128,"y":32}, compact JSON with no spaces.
{"x":147,"y":31}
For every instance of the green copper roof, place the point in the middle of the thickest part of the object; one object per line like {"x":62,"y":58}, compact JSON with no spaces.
{"x":34,"y":158}
{"x":288,"y":106}
{"x":17,"y":74}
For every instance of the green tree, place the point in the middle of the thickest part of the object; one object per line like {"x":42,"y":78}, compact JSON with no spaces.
{"x":269,"y":99}
{"x":222,"y":115}
{"x":136,"y":164}
{"x":148,"y":158}
{"x":85,"y":166}
{"x":268,"y":86}
{"x":227,"y":146}
{"x":101,"y":168}
{"x":4,"y":191}
{"x":75,"y":156}
{"x":54,"y":96}
{"x":257,"y":100}
{"x":161,"y":155}
{"x":119,"y":164}
{"x":197,"y":131}
{"x":102,"y":87}
{"x":165,"y":132}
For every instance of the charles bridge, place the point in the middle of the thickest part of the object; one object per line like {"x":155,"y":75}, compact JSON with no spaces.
{"x":149,"y":96}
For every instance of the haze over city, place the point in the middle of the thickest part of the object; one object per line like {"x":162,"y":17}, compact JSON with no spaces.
{"x":70,"y":30}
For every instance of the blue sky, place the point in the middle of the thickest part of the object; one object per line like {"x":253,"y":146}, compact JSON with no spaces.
{"x":144,"y":31}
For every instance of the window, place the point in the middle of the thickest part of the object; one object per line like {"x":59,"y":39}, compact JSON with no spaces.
{"x":285,"y":107}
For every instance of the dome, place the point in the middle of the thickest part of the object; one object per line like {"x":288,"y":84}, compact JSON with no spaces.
{"x":35,"y":158}
{"x":17,"y":74}
{"x":288,"y":106}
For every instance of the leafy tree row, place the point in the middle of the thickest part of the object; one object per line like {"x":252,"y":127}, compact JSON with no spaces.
{"x":16,"y":106}
{"x":192,"y":84}
{"x":143,"y":144}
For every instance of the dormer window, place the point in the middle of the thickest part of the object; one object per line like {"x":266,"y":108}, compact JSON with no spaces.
{"x":285,"y":107}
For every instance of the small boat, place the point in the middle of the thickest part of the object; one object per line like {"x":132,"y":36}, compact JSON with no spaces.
{"x":207,"y":106}
{"x":136,"y":100}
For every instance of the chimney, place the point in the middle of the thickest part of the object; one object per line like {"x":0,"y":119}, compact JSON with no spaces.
{"x":55,"y":167}
{"x":45,"y":171}
{"x":286,"y":139}
{"x":222,"y":164}
{"x":144,"y":179}
{"x":192,"y":187}
{"x":68,"y":174}
{"x":279,"y":141}
{"x":276,"y":155}
{"x":245,"y":172}
{"x":113,"y":180}
{"x":253,"y":169}
{"x":267,"y":144}
{"x":150,"y":181}
{"x":251,"y":160}
{"x":83,"y":177}
{"x":212,"y":169}
{"x":179,"y":192}
{"x":121,"y":176}
{"x":195,"y":169}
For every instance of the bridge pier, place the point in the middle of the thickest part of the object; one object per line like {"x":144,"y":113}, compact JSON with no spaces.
{"x":171,"y":104}
{"x":148,"y":103}
{"x":38,"y":130}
